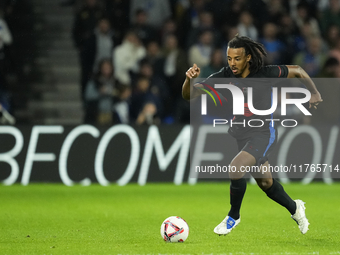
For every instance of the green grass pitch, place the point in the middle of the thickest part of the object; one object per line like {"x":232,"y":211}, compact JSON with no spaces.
{"x":55,"y":219}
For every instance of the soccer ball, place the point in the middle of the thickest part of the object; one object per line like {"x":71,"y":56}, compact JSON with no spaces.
{"x":174,"y":229}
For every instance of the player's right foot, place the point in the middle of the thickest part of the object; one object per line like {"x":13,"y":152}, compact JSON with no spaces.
{"x":300,"y":216}
{"x":227,"y":225}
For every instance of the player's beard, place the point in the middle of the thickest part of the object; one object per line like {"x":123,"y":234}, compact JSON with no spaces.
{"x":241,"y":71}
{"x":239,"y":75}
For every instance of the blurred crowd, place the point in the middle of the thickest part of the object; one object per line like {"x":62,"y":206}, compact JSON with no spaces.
{"x":134,"y":53}
{"x":5,"y":41}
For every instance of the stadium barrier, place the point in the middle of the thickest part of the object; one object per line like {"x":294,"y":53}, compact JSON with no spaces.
{"x":124,"y":154}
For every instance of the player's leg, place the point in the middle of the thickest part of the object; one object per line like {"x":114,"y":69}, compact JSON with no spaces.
{"x":274,"y":189}
{"x":276,"y":192}
{"x":237,"y":189}
{"x":261,"y":147}
{"x":238,"y":184}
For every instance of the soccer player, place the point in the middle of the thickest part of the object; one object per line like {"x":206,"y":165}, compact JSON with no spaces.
{"x":245,"y":60}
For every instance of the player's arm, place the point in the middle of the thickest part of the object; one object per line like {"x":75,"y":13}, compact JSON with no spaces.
{"x":297,"y":72}
{"x":188,"y":91}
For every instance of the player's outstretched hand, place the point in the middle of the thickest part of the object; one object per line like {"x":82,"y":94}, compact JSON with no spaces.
{"x":315,"y":100}
{"x":193,"y":72}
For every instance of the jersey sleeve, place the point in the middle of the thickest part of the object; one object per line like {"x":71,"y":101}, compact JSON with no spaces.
{"x":210,"y":80}
{"x":276,"y":71}
{"x":208,"y":85}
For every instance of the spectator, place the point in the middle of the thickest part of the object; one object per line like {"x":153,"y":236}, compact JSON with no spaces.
{"x":144,"y":31}
{"x":246,"y":26}
{"x":5,"y":40}
{"x":169,"y":28}
{"x":200,"y":52}
{"x":127,"y":56}
{"x":219,"y":9}
{"x":304,"y":16}
{"x":312,"y":5}
{"x":335,"y":51}
{"x":190,"y":20}
{"x":331,"y":16}
{"x":272,"y":44}
{"x":145,"y":106}
{"x":154,"y":57}
{"x":179,"y":9}
{"x":259,"y":11}
{"x":331,"y":69}
{"x":276,"y":9}
{"x":291,"y":7}
{"x":229,"y":33}
{"x":121,"y":107}
{"x":216,"y":63}
{"x":174,"y":64}
{"x":234,"y":12}
{"x":158,"y":85}
{"x":98,"y":95}
{"x":322,"y":5}
{"x":83,"y":30}
{"x":104,"y":42}
{"x":332,"y":36}
{"x":206,"y":22}
{"x":118,"y":13}
{"x":5,"y":97}
{"x":313,"y":59}
{"x":85,"y":22}
{"x":289,"y":35}
{"x":306,"y":33}
{"x":157,"y":11}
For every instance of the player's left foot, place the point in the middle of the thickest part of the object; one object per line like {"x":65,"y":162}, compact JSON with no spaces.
{"x":226,"y":226}
{"x":300,"y":216}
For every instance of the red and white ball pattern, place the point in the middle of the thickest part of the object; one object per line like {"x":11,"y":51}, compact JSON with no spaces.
{"x":174,"y":229}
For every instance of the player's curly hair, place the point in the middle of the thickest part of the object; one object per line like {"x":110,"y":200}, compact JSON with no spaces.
{"x":255,"y":49}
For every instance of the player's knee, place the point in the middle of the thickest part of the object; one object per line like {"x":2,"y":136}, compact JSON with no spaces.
{"x":264,"y":184}
{"x":234,"y":171}
{"x":235,"y":175}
